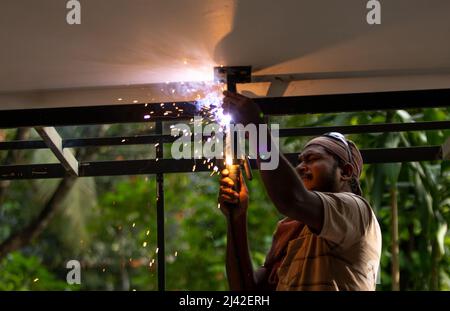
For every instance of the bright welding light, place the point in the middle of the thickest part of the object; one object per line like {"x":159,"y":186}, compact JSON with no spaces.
{"x":212,"y":103}
{"x":226,"y":119}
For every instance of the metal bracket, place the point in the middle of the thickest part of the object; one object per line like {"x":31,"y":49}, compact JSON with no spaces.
{"x":232,"y":75}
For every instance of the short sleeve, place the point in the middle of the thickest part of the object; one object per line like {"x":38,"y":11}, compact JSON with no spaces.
{"x":347,"y":217}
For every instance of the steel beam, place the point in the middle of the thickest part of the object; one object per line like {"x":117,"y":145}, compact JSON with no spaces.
{"x":289,"y":132}
{"x":183,"y":110}
{"x":139,"y":167}
{"x":54,"y":142}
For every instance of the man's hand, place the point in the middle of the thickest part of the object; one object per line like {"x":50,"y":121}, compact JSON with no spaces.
{"x":227,"y":196}
{"x":243,"y":109}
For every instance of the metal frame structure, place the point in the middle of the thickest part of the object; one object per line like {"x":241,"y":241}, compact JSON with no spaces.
{"x":44,"y":121}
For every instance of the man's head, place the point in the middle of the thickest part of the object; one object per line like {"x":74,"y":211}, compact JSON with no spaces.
{"x":330,"y":163}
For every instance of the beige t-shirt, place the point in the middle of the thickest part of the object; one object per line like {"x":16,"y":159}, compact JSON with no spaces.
{"x":344,"y":256}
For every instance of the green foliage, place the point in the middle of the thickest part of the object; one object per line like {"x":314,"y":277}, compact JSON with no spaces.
{"x":19,"y":272}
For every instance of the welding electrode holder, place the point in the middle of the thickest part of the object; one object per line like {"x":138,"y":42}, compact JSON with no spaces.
{"x":234,"y":172}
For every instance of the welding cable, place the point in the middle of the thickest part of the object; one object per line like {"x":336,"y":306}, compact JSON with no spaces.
{"x":235,"y":175}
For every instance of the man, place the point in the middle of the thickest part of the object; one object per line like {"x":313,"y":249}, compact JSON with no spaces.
{"x":330,"y":238}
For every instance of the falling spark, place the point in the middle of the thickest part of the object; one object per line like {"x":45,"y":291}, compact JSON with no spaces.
{"x":193,"y":168}
{"x":35,"y":280}
{"x":123,"y":140}
{"x":103,"y":270}
{"x":156,"y":145}
{"x":135,"y":101}
{"x":119,"y":99}
{"x":176,"y":254}
{"x":157,"y":249}
{"x":144,"y":244}
{"x":147,"y":116}
{"x":218,"y":205}
{"x":134,"y":224}
{"x":134,"y":290}
{"x":148,"y":232}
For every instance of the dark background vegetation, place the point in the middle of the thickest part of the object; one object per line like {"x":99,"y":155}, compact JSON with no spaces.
{"x":109,"y":223}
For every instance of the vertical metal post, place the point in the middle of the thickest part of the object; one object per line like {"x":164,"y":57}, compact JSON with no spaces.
{"x":160,"y":213}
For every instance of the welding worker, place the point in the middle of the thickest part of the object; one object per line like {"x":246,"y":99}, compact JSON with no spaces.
{"x":329,"y":239}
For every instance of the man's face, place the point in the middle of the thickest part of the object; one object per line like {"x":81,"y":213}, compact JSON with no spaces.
{"x":318,"y":170}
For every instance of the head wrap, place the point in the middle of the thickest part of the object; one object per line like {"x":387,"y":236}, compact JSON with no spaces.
{"x":340,"y":150}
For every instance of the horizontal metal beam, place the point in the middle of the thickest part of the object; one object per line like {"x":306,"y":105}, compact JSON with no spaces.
{"x":88,"y":115}
{"x":292,"y":77}
{"x":182,"y":110}
{"x":136,"y":167}
{"x":90,"y":142}
{"x":54,"y":142}
{"x":354,"y":102}
{"x":392,"y":155}
{"x":118,"y":141}
{"x":290,"y":132}
{"x":366,"y":128}
{"x":22,"y":145}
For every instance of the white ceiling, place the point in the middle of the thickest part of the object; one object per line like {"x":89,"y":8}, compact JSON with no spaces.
{"x":133,"y":42}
